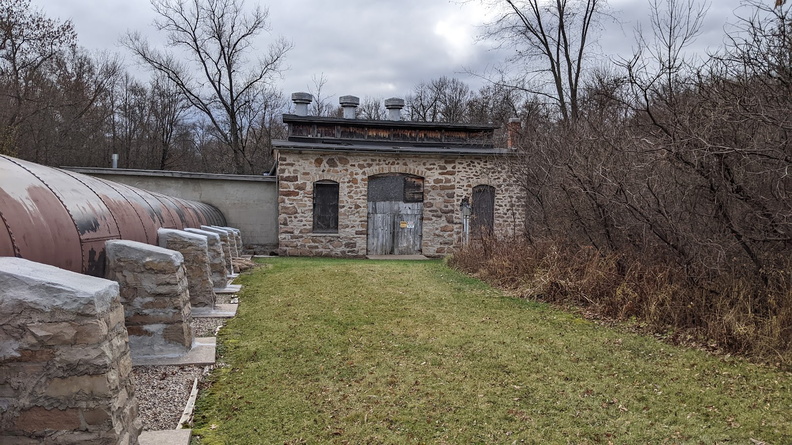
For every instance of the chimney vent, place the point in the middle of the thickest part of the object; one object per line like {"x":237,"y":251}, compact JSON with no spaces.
{"x":394,"y":106}
{"x":349,"y":104}
{"x":301,"y":101}
{"x":513,"y":130}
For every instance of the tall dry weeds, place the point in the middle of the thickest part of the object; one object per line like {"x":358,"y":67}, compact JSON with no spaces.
{"x":735,"y":314}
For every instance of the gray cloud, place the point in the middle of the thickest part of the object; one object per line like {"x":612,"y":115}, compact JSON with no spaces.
{"x":369,"y":48}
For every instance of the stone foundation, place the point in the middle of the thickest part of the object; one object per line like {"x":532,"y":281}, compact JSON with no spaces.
{"x":195,"y":250}
{"x":64,"y":358}
{"x":153,"y":288}
{"x":217,"y":264}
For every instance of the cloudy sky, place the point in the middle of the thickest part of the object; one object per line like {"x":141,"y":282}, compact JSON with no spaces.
{"x":369,"y":48}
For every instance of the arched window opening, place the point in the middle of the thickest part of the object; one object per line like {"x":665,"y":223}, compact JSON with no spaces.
{"x":325,"y":207}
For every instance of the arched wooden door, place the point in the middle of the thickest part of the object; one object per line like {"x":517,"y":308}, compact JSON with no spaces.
{"x":395,"y":214}
{"x":483,"y":217}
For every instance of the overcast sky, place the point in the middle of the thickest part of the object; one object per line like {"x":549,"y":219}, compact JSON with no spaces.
{"x":368,"y":48}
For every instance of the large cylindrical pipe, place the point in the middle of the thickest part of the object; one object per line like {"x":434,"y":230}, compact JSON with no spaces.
{"x":62,"y":218}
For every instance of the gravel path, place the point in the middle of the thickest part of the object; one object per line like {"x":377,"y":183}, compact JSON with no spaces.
{"x":206,"y":327}
{"x":162,"y":391}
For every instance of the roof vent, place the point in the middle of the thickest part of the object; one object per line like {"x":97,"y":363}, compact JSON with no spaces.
{"x":394,"y":106}
{"x":301,"y":102}
{"x":349,"y":104}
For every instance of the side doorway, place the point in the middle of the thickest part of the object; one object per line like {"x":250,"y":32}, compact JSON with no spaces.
{"x":483,"y":217}
{"x":395,"y":214}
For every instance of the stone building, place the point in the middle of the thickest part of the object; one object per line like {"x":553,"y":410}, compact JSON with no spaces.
{"x":355,"y":187}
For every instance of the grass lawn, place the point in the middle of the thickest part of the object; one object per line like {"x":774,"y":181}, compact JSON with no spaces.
{"x":354,"y":351}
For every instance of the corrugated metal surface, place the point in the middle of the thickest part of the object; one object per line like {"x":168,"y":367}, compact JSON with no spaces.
{"x":63,"y":219}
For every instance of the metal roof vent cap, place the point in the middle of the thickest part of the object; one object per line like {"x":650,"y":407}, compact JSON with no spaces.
{"x":301,"y":102}
{"x":394,"y":106}
{"x":349,"y":104}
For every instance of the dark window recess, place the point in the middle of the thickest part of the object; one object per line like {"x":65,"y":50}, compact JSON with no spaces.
{"x":325,"y":207}
{"x":395,"y":188}
{"x":483,"y":221}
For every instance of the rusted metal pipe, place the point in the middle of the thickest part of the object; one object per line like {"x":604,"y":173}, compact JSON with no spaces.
{"x":62,"y":218}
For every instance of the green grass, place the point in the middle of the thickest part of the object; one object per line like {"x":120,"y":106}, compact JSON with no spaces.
{"x":347,"y":351}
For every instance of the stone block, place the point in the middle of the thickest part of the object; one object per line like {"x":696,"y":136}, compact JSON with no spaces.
{"x":60,"y":379}
{"x":31,"y":289}
{"x":195,"y":250}
{"x":235,"y":236}
{"x":225,"y":241}
{"x":155,"y":294}
{"x":39,"y":419}
{"x":217,"y":263}
{"x":76,"y":385}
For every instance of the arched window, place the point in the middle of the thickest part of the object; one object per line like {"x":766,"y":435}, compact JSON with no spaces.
{"x":483,"y":218}
{"x":325,"y":207}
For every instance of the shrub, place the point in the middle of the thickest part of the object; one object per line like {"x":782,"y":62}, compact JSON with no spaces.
{"x":740,"y":314}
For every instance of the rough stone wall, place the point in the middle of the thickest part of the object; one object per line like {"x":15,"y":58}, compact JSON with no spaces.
{"x":195,"y":250}
{"x":237,"y":235}
{"x":64,"y":358}
{"x":232,"y":241}
{"x":225,"y":242}
{"x":509,"y":204}
{"x":153,"y":287}
{"x":217,"y":264}
{"x":447,"y":179}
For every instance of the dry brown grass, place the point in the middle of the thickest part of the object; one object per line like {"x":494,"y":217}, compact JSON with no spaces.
{"x":731,"y":313}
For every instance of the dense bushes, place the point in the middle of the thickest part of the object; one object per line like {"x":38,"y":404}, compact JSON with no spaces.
{"x":668,"y":198}
{"x":735,"y":314}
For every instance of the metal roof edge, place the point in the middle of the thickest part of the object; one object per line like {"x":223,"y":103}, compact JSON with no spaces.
{"x":331,"y":148}
{"x":170,"y":174}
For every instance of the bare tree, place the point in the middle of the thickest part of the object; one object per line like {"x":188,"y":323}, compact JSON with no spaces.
{"x":556,"y":34}
{"x":320,"y":106}
{"x":659,"y":66}
{"x":372,"y":109}
{"x":443,"y":99}
{"x":215,"y":74}
{"x":29,"y":41}
{"x":168,"y":111}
